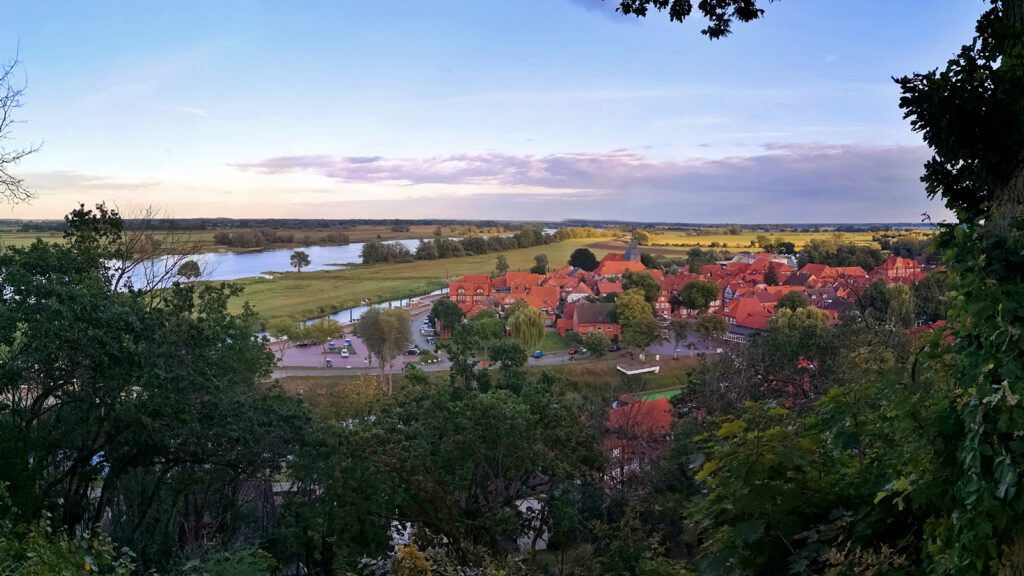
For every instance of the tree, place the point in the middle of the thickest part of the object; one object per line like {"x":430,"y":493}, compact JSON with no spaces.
{"x":12,"y":188}
{"x":931,"y":297}
{"x":632,"y":305}
{"x":121,"y":407}
{"x":299,"y":260}
{"x":324,"y":330}
{"x":698,"y":295}
{"x":189,"y":270}
{"x":454,"y":461}
{"x":711,"y":326}
{"x":501,"y":264}
{"x":584,"y":259}
{"x":641,"y":332}
{"x":642,"y":237}
{"x":793,"y":300}
{"x":386,"y":333}
{"x":596,"y":344}
{"x":643,"y":281}
{"x":526,"y":325}
{"x":650,"y":261}
{"x":679,"y":328}
{"x":285,"y":334}
{"x":446,"y":315}
{"x":771,"y":276}
{"x":540,"y":264}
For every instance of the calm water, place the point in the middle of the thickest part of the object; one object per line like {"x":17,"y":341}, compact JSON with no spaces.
{"x":232,"y":265}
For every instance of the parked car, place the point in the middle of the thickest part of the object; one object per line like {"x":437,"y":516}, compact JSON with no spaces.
{"x":538,"y":354}
{"x":572,"y":351}
{"x":332,"y":346}
{"x":412,"y":351}
{"x":348,"y":341}
{"x":614,"y":348}
{"x":344,"y":353}
{"x":430,"y":340}
{"x":329,"y":363}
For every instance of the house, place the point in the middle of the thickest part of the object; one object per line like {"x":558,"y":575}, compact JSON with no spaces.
{"x":609,"y":287}
{"x":638,"y":435}
{"x":579,"y":292}
{"x":747,"y":314}
{"x":609,"y":268}
{"x":595,"y":317}
{"x":897,"y":269}
{"x":470,"y":289}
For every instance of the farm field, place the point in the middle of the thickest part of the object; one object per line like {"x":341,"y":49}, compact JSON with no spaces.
{"x":743,"y":240}
{"x":301,"y":295}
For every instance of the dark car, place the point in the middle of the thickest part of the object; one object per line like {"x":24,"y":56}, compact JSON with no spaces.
{"x":412,"y":351}
{"x":614,"y":348}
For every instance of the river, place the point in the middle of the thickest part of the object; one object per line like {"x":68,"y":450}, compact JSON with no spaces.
{"x":235,"y":265}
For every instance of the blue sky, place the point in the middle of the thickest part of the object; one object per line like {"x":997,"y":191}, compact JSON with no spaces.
{"x":525,"y":109}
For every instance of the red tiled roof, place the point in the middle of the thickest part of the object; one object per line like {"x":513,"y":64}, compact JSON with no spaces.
{"x":618,"y":267}
{"x":648,"y":418}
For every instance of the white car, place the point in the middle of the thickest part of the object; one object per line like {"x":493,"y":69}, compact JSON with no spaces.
{"x":344,"y":353}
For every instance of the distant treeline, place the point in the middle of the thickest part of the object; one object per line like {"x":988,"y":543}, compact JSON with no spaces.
{"x":441,"y":247}
{"x":376,"y":252}
{"x":262,"y":237}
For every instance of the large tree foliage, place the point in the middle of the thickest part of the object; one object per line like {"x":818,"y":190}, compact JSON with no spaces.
{"x":583,"y":258}
{"x":697,"y":296}
{"x":643,"y":281}
{"x":140,"y":412}
{"x":526,"y":325}
{"x":456,"y":462}
{"x":386,"y":333}
{"x":971,"y":114}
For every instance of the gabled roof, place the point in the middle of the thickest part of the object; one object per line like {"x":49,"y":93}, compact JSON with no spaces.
{"x":618,"y":268}
{"x":609,"y":287}
{"x":594,"y":312}
{"x":819,"y":270}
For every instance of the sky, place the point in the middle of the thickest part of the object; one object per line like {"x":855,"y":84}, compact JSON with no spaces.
{"x":475,"y":109}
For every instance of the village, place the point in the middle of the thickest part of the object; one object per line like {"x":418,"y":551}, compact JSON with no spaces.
{"x":750,"y":285}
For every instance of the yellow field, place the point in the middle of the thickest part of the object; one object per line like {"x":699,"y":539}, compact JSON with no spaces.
{"x":301,"y":295}
{"x":743,"y":241}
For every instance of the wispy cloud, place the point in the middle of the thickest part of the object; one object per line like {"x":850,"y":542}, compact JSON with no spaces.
{"x":67,"y":181}
{"x":784,"y":183}
{"x":192,"y":111}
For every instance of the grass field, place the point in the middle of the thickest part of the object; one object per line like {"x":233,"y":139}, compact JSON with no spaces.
{"x":310,"y":294}
{"x":588,"y":374}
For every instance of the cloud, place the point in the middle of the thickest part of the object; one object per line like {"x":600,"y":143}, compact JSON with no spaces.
{"x":62,"y":181}
{"x":784,"y":183}
{"x":191,"y":111}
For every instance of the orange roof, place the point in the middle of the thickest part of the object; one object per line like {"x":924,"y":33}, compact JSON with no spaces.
{"x":748,"y":312}
{"x":818,"y":270}
{"x":649,"y":418}
{"x":476,"y":279}
{"x":618,"y":268}
{"x":609,"y":287}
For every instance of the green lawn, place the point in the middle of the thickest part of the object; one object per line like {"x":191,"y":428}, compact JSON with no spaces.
{"x":553,"y":342}
{"x":302,"y":295}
